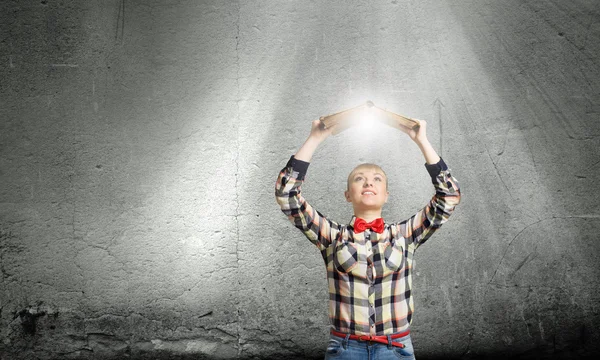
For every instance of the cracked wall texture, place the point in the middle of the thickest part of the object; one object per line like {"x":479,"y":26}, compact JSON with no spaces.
{"x":140,"y":142}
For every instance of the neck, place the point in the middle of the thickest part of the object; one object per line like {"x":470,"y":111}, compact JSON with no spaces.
{"x":368,"y":215}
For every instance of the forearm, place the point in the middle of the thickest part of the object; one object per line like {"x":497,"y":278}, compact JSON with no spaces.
{"x":314,"y":225}
{"x":431,"y":157}
{"x":307,"y":150}
{"x":429,"y":219}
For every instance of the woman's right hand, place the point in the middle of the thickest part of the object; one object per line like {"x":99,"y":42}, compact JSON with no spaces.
{"x":318,"y":131}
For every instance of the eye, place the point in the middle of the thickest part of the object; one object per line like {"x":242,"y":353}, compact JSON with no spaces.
{"x":378,"y":178}
{"x":358,"y":178}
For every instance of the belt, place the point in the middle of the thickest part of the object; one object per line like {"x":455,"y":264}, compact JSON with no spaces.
{"x":374,"y":338}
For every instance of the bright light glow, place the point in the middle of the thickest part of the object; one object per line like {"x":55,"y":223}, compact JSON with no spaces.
{"x":367,"y":118}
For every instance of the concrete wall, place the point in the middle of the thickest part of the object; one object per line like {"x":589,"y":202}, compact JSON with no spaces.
{"x":140,"y":142}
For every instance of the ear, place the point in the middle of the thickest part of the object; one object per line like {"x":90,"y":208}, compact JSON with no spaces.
{"x":347,"y":196}
{"x":387,"y":195}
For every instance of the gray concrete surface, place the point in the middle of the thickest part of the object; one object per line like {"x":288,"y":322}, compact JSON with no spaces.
{"x":140,"y":142}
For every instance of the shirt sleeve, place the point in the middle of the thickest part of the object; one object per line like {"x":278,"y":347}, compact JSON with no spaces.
{"x":316,"y":227}
{"x":419,"y":227}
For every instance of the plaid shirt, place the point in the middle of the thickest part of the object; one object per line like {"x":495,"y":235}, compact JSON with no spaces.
{"x":369,"y":274}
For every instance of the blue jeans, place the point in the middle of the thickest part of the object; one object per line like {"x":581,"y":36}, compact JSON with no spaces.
{"x":340,"y":348}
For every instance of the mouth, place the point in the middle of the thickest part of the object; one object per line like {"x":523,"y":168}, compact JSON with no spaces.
{"x":368,"y":193}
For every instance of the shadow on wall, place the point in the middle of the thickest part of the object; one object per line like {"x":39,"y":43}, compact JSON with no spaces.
{"x":543,"y":289}
{"x":108,"y":346}
{"x":104,"y":272}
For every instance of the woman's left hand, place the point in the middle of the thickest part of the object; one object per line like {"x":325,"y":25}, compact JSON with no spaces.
{"x":418,"y":134}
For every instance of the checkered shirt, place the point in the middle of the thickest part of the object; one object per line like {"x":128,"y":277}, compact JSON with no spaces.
{"x":369,"y":274}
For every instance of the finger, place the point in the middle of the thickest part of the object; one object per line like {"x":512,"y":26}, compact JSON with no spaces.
{"x":404,"y":128}
{"x":330,"y":129}
{"x":320,"y":125}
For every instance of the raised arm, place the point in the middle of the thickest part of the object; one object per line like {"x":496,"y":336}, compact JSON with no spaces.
{"x":419,"y":227}
{"x":316,"y":227}
{"x":317,"y":135}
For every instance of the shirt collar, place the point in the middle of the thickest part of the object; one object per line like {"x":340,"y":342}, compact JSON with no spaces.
{"x":352,"y":221}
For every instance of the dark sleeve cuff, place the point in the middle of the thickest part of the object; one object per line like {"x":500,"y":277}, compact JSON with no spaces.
{"x":434,"y":169}
{"x":298,"y":166}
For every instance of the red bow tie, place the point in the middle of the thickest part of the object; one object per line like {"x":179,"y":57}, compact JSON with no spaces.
{"x":361,"y":225}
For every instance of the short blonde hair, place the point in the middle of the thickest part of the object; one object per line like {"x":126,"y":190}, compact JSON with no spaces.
{"x":369,"y":166}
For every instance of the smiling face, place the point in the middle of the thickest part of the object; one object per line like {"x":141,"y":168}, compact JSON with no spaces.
{"x":367,"y":188}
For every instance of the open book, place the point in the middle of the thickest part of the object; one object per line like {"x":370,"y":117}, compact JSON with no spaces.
{"x":351,"y":117}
